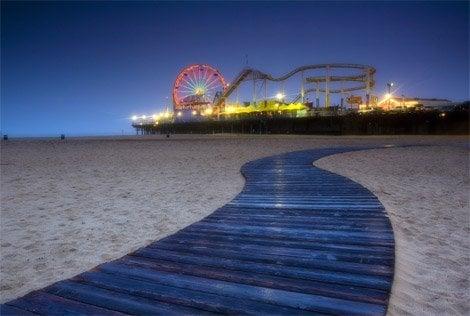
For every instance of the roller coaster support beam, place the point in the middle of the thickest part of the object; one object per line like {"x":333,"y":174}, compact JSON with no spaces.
{"x":265,"y":91}
{"x":327,"y":91}
{"x":254,"y":90}
{"x":368,"y":86}
{"x":317,"y":96}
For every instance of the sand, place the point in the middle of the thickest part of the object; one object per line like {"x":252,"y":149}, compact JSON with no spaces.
{"x":67,"y":206}
{"x":425,"y":190}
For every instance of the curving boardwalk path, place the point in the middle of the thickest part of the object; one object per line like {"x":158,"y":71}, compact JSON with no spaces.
{"x":296,"y":240}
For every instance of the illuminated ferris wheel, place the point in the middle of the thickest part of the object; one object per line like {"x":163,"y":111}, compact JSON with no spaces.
{"x":196,"y":87}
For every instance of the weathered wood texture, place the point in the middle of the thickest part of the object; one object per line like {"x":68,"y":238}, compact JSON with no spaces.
{"x":296,"y":240}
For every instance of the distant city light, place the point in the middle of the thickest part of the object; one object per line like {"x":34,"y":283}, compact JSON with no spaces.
{"x":134,"y":117}
{"x":179,"y":114}
{"x":208,"y":111}
{"x":388,"y":96}
{"x":280,"y":96}
{"x":194,"y":112}
{"x":144,"y":117}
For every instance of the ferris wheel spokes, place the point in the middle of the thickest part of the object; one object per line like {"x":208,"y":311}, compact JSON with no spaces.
{"x":196,"y":86}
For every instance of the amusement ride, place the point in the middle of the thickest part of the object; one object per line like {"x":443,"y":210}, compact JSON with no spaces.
{"x":200,"y":90}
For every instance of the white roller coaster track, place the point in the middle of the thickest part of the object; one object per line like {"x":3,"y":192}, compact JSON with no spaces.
{"x":253,"y":74}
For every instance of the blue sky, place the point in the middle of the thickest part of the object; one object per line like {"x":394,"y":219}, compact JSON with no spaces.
{"x":85,"y":68}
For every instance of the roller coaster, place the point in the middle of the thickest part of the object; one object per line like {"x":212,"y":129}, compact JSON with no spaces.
{"x":322,"y":83}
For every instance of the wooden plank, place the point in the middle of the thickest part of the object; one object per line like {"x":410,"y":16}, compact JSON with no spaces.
{"x":174,"y":295}
{"x":298,"y":219}
{"x":48,"y":304}
{"x":115,"y":301}
{"x":251,"y":252}
{"x":334,"y":226}
{"x":9,"y":310}
{"x":267,"y":241}
{"x":293,"y":234}
{"x":333,"y":213}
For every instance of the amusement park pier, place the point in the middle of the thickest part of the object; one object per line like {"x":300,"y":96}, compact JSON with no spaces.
{"x":335,"y":98}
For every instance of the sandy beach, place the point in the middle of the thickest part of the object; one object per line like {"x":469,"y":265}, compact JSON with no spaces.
{"x":67,"y":206}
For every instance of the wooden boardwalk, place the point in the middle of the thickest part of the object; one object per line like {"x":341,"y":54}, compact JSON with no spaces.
{"x":296,"y":240}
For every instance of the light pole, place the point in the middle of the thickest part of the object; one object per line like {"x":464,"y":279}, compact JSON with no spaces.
{"x":389,"y":86}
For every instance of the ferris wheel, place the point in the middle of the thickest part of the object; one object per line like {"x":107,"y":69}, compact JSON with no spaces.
{"x":196,"y":87}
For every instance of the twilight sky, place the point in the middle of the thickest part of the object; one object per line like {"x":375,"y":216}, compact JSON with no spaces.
{"x":85,"y":68}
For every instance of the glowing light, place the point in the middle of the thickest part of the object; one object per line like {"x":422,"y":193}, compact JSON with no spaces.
{"x":179,"y":114}
{"x":208,"y":111}
{"x":269,"y":106}
{"x":194,"y":112}
{"x":199,"y":91}
{"x":280,"y":96}
{"x":134,"y":118}
{"x":144,"y":117}
{"x":167,"y":114}
{"x":387,"y":96}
